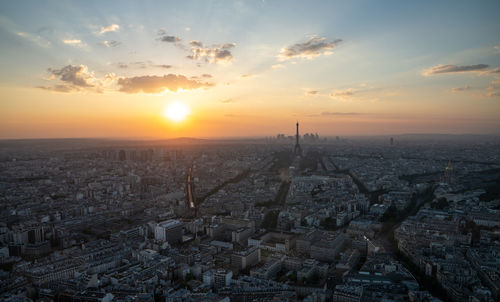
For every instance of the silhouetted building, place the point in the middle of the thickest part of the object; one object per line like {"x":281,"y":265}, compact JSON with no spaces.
{"x":122,"y":155}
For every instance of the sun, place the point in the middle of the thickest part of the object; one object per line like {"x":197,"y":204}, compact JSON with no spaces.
{"x":176,"y":111}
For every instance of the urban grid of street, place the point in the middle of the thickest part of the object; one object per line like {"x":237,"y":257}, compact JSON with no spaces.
{"x":345,"y":219}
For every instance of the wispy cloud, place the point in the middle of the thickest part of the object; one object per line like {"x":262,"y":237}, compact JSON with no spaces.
{"x":111,"y":28}
{"x":493,"y":90}
{"x":58,"y":88}
{"x":364,"y":94}
{"x":313,"y":47}
{"x":276,"y":66}
{"x":443,"y":69}
{"x":110,"y":44}
{"x":493,"y":94}
{"x":142,"y":65}
{"x":495,"y":84}
{"x":342,"y":93}
{"x":493,"y":71}
{"x":227,"y":101}
{"x":329,"y":113}
{"x":170,"y":39}
{"x":121,"y":65}
{"x":37,"y":39}
{"x":74,"y":42}
{"x":460,"y":89}
{"x":165,"y":66}
{"x":248,"y":75}
{"x":312,"y":93}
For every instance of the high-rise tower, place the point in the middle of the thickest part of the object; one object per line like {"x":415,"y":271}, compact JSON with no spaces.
{"x":448,"y":174}
{"x":191,"y":206}
{"x":297,"y":150}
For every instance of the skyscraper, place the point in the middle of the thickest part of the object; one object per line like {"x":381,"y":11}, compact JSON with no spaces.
{"x":297,"y":150}
{"x":448,"y":174}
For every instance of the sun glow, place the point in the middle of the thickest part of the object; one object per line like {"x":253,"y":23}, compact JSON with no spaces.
{"x":177,"y":111}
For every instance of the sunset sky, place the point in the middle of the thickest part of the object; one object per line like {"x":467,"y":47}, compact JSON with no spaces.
{"x":248,"y":68}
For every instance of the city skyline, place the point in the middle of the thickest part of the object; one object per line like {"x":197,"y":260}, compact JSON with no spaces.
{"x":221,"y":69}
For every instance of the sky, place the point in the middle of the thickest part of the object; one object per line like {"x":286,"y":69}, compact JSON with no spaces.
{"x":248,"y":68}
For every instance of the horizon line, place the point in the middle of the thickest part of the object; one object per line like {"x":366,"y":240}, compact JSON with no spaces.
{"x":256,"y":137}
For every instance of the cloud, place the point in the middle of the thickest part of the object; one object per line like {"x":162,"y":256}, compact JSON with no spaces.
{"x":312,"y":92}
{"x":494,"y":85}
{"x":78,"y":76}
{"x":142,"y":65}
{"x":121,"y":65}
{"x":227,"y":101}
{"x":75,"y":78}
{"x":165,"y":66}
{"x":111,"y":28}
{"x":206,"y":75}
{"x":110,"y":44}
{"x":214,"y":54}
{"x":157,"y":84}
{"x":276,"y":66}
{"x":313,"y":47}
{"x":460,"y":89}
{"x":72,"y":42}
{"x":58,"y":88}
{"x":342,"y":94}
{"x":195,"y":43}
{"x":164,"y":37}
{"x":493,"y":94}
{"x":39,"y":40}
{"x":248,"y":75}
{"x":362,"y":93}
{"x":494,"y":89}
{"x":494,"y":70}
{"x":329,"y":113}
{"x":170,"y":39}
{"x":198,"y":51}
{"x":439,"y":69}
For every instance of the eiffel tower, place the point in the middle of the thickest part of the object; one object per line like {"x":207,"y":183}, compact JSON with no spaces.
{"x":297,"y":150}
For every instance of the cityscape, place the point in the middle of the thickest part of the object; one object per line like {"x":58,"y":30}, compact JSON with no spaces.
{"x":218,"y":151}
{"x":405,"y":218}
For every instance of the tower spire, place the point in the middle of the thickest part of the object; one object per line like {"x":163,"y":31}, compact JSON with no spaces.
{"x":297,"y":150}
